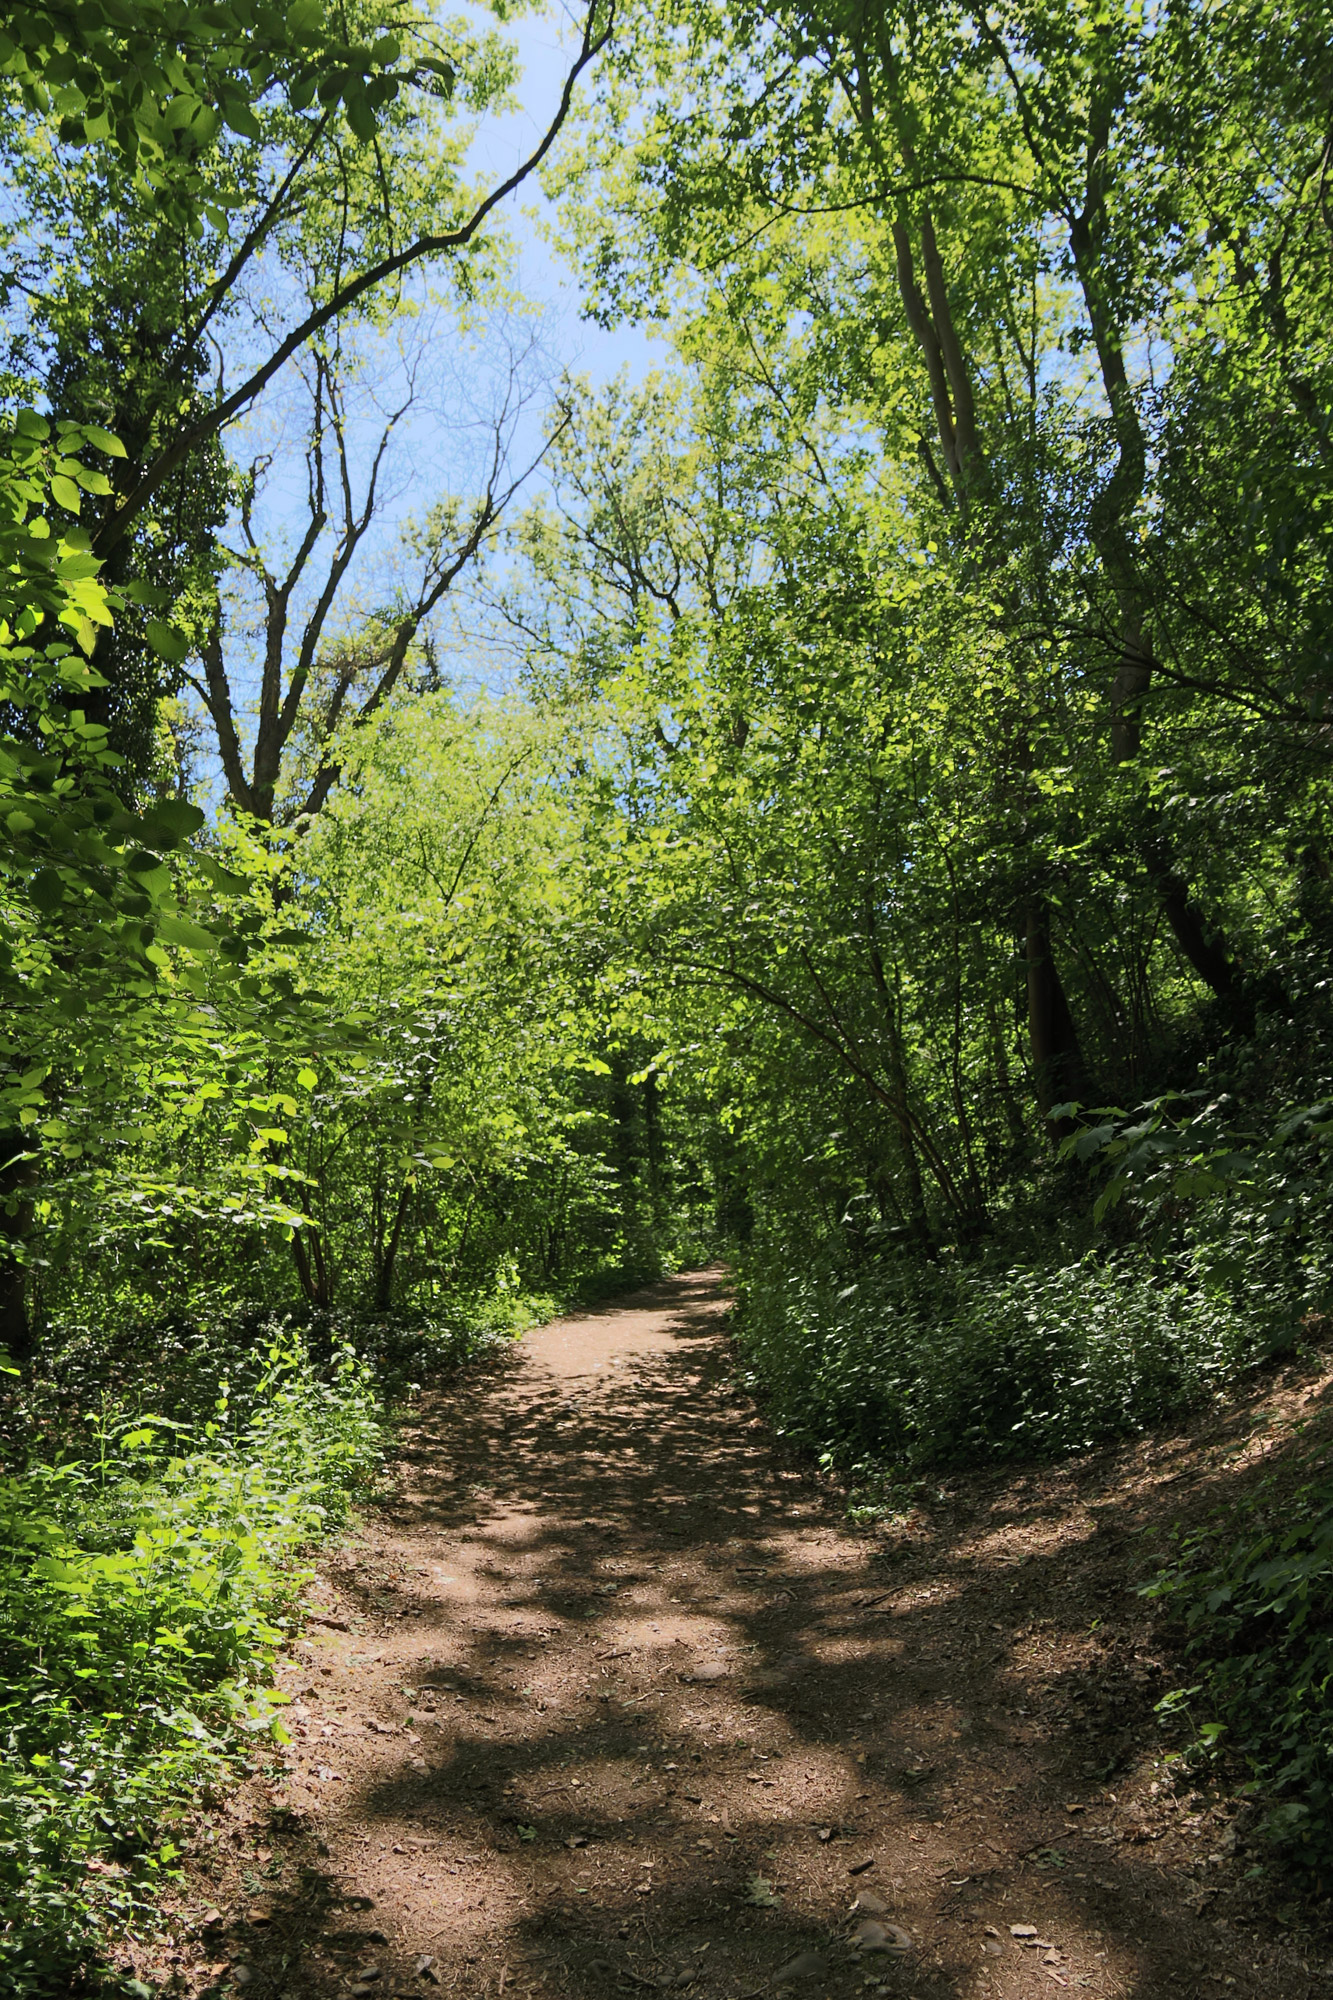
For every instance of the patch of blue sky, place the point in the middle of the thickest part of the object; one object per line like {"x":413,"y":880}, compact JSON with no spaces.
{"x":472,"y":392}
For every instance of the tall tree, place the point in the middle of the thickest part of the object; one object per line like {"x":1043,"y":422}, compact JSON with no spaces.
{"x":200,"y":194}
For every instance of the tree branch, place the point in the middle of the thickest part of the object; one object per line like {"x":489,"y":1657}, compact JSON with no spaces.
{"x":346,"y":295}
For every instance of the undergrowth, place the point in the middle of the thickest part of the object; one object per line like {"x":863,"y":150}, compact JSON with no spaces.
{"x":911,"y":1364}
{"x":1252,"y":1592}
{"x":150,"y":1572}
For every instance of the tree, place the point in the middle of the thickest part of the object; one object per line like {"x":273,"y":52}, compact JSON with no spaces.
{"x":1012,"y":206}
{"x":180,"y":175}
{"x":335,"y":672}
{"x":94,"y":896}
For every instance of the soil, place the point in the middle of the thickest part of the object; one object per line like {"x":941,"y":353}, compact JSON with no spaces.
{"x":609,"y":1695}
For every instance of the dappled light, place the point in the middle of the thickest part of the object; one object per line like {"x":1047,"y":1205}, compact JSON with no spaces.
{"x":607,"y":1698}
{"x":666,"y":937}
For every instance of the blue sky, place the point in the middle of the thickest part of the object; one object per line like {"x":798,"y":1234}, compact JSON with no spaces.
{"x":443,"y":445}
{"x":546,"y":41}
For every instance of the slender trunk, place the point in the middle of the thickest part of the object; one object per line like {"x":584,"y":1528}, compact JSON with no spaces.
{"x":1110,"y":524}
{"x":311,"y":1269}
{"x":16,"y":1332}
{"x":918,"y":1219}
{"x":388,"y":1257}
{"x":1058,"y":1069}
{"x":1207,"y":955}
{"x":1013,"y":1112}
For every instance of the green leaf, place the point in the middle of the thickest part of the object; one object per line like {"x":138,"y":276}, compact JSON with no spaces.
{"x":172,"y":820}
{"x":90,"y":479}
{"x":222,"y":879}
{"x":177,"y":930}
{"x":360,"y":116}
{"x":105,"y":441}
{"x":77,"y":568}
{"x":46,"y":890}
{"x":180,"y":112}
{"x":241,"y":118}
{"x":305,"y":20}
{"x":166,"y":641}
{"x":65,"y":493}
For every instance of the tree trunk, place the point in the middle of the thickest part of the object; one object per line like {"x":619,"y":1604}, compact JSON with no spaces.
{"x":388,"y":1252}
{"x":1013,"y":1112}
{"x":16,"y":1333}
{"x":311,"y":1268}
{"x":1058,"y":1069}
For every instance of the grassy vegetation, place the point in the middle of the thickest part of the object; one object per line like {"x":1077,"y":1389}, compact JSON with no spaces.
{"x":1251,"y":1595}
{"x":903,"y":1364}
{"x":152,"y":1569}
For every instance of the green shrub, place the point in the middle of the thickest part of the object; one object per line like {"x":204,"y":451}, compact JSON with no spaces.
{"x":140,"y":1592}
{"x":1253,"y":1591}
{"x":912,"y":1363}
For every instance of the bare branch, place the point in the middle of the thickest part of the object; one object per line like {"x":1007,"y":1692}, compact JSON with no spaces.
{"x":346,"y":295}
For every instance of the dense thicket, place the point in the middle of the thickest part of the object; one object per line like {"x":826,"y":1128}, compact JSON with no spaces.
{"x":899,"y":857}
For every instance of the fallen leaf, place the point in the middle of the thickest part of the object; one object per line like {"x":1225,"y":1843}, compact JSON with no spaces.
{"x":761,"y":1893}
{"x":1023,"y":1930}
{"x":805,"y":1965}
{"x":872,"y":1936}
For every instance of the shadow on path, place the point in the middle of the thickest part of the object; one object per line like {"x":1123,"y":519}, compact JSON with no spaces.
{"x":621,"y":1703}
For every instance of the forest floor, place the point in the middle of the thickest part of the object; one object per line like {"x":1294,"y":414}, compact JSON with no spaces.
{"x":607,"y":1696}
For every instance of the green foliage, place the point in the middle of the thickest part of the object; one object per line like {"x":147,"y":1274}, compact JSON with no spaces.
{"x":164,"y":81}
{"x":1187,"y":1148}
{"x":1253,"y":1592}
{"x":147,"y":1584}
{"x":908,"y":1365}
{"x":497,"y":1138}
{"x":926,"y":737}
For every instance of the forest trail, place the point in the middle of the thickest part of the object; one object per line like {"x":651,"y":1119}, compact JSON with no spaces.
{"x":609,"y":1698}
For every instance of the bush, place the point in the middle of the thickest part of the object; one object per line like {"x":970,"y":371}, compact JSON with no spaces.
{"x":1253,"y":1591}
{"x":913,"y":1363}
{"x":141,"y":1596}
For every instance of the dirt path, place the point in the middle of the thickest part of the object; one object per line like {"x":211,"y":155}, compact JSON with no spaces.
{"x":612,"y":1699}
